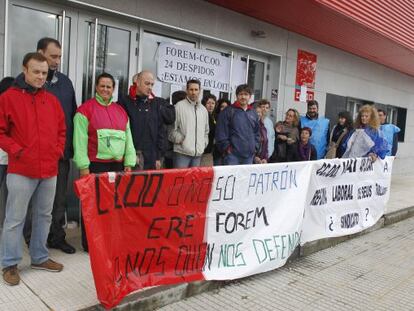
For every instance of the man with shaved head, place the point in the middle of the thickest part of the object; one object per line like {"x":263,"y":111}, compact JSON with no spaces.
{"x":148,"y":117}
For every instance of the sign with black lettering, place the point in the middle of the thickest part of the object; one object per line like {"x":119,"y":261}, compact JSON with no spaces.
{"x":144,"y":228}
{"x":345,"y":196}
{"x":177,"y":64}
{"x":252,"y":222}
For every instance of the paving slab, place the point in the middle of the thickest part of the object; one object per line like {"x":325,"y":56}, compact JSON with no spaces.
{"x":371,"y":272}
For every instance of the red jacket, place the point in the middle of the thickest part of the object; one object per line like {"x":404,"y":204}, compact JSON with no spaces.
{"x":32,"y":131}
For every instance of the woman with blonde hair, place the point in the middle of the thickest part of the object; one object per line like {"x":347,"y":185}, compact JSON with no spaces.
{"x":366,"y":139}
{"x":287,"y":134}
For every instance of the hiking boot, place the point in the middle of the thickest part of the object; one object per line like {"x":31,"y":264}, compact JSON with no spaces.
{"x":48,"y":265}
{"x":11,"y":275}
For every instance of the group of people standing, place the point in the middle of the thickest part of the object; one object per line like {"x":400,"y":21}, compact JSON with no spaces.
{"x":245,"y":134}
{"x":41,"y":129}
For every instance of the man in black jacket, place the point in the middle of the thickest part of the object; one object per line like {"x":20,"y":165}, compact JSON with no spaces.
{"x":148,"y":117}
{"x":59,"y":85}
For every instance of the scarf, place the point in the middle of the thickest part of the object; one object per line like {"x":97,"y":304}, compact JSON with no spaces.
{"x":132,"y":92}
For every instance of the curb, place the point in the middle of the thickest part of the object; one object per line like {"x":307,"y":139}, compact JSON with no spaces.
{"x":160,"y":296}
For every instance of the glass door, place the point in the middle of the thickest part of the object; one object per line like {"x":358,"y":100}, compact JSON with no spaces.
{"x":106,"y":46}
{"x":45,"y":21}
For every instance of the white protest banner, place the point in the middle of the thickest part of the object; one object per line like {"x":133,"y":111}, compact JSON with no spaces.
{"x":345,"y":196}
{"x":177,"y":64}
{"x":251,"y":224}
{"x":222,"y":222}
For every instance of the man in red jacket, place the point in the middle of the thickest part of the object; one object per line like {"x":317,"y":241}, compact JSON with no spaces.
{"x":32,"y":132}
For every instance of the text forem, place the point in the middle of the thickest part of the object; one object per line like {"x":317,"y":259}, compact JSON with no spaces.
{"x":232,"y":222}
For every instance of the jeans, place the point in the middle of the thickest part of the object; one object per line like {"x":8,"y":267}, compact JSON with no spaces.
{"x":232,"y":159}
{"x":184,"y":161}
{"x":21,"y":190}
{"x":57,"y":233}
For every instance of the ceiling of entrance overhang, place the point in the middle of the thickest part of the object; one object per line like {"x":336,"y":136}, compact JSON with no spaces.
{"x":379,"y":30}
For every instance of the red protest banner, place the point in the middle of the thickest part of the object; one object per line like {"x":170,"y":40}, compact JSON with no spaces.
{"x":144,"y":228}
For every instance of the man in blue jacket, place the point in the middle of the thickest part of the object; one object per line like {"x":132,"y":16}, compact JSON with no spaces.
{"x":59,"y":85}
{"x":390,"y":132}
{"x":237,"y":131}
{"x":319,"y":126}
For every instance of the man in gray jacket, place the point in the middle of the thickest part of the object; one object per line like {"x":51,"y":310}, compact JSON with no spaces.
{"x":189,"y":133}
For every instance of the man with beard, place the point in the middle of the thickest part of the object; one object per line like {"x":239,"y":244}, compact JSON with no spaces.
{"x":319,"y":126}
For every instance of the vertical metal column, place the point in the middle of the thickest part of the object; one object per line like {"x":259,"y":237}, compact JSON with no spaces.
{"x":247,"y":68}
{"x":95,"y":39}
{"x":231,"y":77}
{"x":6,"y":35}
{"x":62,"y":41}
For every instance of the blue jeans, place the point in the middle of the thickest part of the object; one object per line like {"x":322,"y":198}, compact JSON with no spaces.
{"x":184,"y":161}
{"x":21,"y":190}
{"x":232,"y":159}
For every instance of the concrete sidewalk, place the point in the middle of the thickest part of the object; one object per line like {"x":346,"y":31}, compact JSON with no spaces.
{"x":371,"y":272}
{"x":73,"y":288}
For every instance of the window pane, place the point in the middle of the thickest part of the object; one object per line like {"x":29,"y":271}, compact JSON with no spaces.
{"x":255,"y":78}
{"x":22,"y":41}
{"x":401,"y":122}
{"x":112,"y":56}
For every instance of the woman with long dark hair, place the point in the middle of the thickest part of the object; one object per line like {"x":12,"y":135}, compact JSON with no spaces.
{"x":339,"y":132}
{"x":222,"y":103}
{"x":210,"y":102}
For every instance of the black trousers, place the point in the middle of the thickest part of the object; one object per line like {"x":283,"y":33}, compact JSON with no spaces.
{"x":96,"y":168}
{"x":56,"y":234}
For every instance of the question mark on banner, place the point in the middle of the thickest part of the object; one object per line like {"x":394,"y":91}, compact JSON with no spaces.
{"x":330,"y":225}
{"x":366,"y":214}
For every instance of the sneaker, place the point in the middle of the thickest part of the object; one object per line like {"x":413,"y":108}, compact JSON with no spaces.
{"x":48,"y":265}
{"x":11,"y":275}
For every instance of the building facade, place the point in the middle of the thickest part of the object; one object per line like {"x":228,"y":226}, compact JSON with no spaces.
{"x":264,"y":52}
